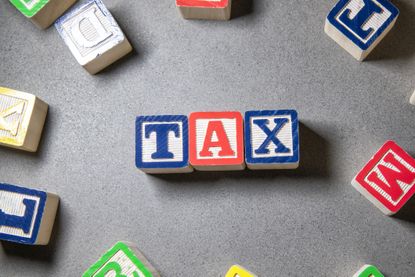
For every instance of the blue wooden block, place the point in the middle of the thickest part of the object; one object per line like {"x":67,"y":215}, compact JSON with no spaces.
{"x":162,"y":144}
{"x":359,"y":25}
{"x":26,"y":215}
{"x":272,"y":139}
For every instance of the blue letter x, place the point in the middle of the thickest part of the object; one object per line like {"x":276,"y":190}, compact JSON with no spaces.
{"x":271,"y":135}
{"x":162,"y":134}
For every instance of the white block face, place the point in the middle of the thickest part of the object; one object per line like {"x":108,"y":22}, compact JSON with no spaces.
{"x":127,"y":266}
{"x":12,"y":113}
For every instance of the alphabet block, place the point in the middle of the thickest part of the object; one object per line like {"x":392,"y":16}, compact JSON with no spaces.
{"x":388,"y":180}
{"x":359,"y":25}
{"x":413,"y":99}
{"x":272,"y":139}
{"x":162,"y":144}
{"x":216,"y":141}
{"x":123,"y":259}
{"x":239,"y":271}
{"x":42,"y":12}
{"x":205,"y":9}
{"x":26,"y":215}
{"x":93,"y":35}
{"x":22,"y":116}
{"x":368,"y":271}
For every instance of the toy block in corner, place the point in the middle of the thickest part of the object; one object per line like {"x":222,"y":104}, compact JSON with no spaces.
{"x":42,"y":12}
{"x":22,"y":116}
{"x":123,"y":259}
{"x":368,"y":271}
{"x":93,"y":35}
{"x":272,"y":139}
{"x":205,"y":9}
{"x":26,"y":215}
{"x":216,"y":141}
{"x":162,"y":144}
{"x":359,"y":25}
{"x":239,"y":271}
{"x":388,"y":180}
{"x":412,"y":100}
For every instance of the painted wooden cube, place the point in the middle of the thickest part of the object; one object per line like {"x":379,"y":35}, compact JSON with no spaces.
{"x":123,"y":259}
{"x":162,"y":144}
{"x":42,"y":12}
{"x":368,"y":271}
{"x":93,"y":35}
{"x":412,"y":100}
{"x":26,"y":215}
{"x":359,"y":25}
{"x":205,"y":9}
{"x":22,"y":116}
{"x":272,"y":139}
{"x":388,"y":180}
{"x":216,"y":141}
{"x":239,"y":271}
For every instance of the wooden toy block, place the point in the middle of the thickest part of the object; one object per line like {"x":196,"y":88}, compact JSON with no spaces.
{"x":26,"y":215}
{"x":22,"y":116}
{"x":123,"y":259}
{"x":42,"y":12}
{"x":272,"y":139}
{"x":162,"y":144}
{"x":388,"y":180}
{"x":359,"y":25}
{"x":216,"y":141}
{"x":205,"y":9}
{"x":368,"y":271}
{"x":239,"y":271}
{"x":93,"y":35}
{"x":413,"y":99}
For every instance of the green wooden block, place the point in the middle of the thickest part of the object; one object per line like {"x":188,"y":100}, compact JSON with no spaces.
{"x":29,"y":7}
{"x":368,"y":271}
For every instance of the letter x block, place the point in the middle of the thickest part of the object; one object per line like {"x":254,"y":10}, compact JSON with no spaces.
{"x":272,"y":139}
{"x":413,"y":99}
{"x":22,"y":116}
{"x":359,"y":25}
{"x":216,"y":141}
{"x":388,"y":180}
{"x":162,"y":144}
{"x":93,"y":35}
{"x":205,"y":9}
{"x":239,"y":271}
{"x":123,"y":259}
{"x":368,"y":271}
{"x":26,"y":215}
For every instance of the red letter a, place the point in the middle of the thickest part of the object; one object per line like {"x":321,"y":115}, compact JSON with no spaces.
{"x":222,"y":142}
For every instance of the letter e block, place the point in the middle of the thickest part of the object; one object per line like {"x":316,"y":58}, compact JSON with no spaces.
{"x":93,"y":35}
{"x":368,"y":271}
{"x":239,"y":271}
{"x":205,"y":9}
{"x":359,"y":25}
{"x":388,"y":180}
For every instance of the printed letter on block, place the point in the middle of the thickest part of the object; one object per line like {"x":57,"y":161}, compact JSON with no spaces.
{"x":92,"y":35}
{"x":22,"y":116}
{"x":205,"y":9}
{"x":162,"y":144}
{"x":368,"y":271}
{"x":239,"y":271}
{"x":272,"y":139}
{"x":122,"y":260}
{"x":216,"y":141}
{"x":388,"y":180}
{"x":359,"y":25}
{"x":26,"y":215}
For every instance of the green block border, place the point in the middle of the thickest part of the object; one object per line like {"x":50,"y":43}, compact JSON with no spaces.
{"x":30,"y":13}
{"x":371,"y":270}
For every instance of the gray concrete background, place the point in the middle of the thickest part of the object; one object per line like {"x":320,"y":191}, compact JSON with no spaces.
{"x":273,"y":54}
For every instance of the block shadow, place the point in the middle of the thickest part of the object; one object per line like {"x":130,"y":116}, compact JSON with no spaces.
{"x":241,"y":8}
{"x":407,"y":213}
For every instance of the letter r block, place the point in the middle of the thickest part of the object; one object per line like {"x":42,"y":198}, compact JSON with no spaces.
{"x":93,"y":35}
{"x":368,"y":271}
{"x":388,"y":180}
{"x":162,"y":144}
{"x":359,"y":25}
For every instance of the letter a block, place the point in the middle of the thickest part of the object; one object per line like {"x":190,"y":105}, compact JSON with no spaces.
{"x":26,"y":215}
{"x":123,"y":259}
{"x":272,"y":139}
{"x":388,"y":180}
{"x":22,"y":116}
{"x":205,"y":9}
{"x":368,"y":271}
{"x":239,"y":271}
{"x":216,"y":141}
{"x":93,"y":36}
{"x":359,"y":25}
{"x":162,"y":144}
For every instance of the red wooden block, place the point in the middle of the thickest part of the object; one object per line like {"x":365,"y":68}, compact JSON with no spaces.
{"x":388,"y":180}
{"x":205,"y":9}
{"x":216,"y":141}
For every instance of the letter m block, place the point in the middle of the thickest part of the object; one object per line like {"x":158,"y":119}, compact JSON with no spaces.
{"x":388,"y":180}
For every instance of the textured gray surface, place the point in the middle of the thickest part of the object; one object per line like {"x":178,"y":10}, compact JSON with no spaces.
{"x":308,"y":222}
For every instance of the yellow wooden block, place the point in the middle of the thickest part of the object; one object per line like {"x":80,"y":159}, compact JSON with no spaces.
{"x":22,"y":116}
{"x":239,"y":271}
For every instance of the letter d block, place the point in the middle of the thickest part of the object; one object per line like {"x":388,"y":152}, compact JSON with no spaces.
{"x":359,"y":25}
{"x":26,"y":215}
{"x":388,"y":180}
{"x":205,"y":9}
{"x":239,"y":271}
{"x":368,"y":271}
{"x":93,"y":36}
{"x":162,"y":144}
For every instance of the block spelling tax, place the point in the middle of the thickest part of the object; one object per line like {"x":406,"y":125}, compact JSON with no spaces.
{"x":368,"y":271}
{"x":239,"y":271}
{"x":205,"y":9}
{"x":93,"y":35}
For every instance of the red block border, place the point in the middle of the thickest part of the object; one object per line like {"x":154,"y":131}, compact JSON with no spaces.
{"x":202,"y":4}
